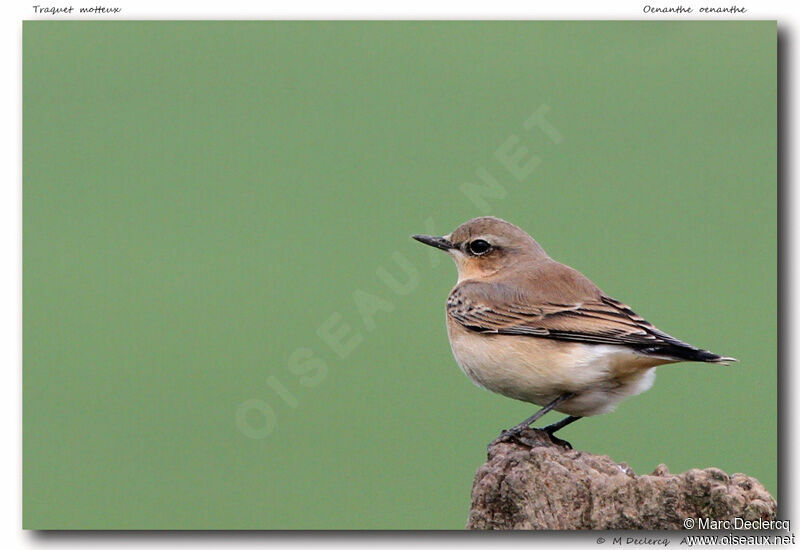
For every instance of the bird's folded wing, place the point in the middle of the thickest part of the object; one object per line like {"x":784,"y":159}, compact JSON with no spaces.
{"x":498,"y":309}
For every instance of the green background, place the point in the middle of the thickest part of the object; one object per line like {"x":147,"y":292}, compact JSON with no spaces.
{"x":201,"y":197}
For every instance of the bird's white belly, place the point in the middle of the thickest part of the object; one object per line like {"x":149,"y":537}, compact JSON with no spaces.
{"x":538,"y":370}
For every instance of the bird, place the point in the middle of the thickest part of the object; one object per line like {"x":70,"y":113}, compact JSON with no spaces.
{"x":527,"y":327}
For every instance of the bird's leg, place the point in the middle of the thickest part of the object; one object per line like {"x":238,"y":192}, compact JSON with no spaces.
{"x":541,"y":412}
{"x":555,"y":426}
{"x":516,"y":430}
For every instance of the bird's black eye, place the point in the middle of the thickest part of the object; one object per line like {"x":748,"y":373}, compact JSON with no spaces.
{"x":479,"y":247}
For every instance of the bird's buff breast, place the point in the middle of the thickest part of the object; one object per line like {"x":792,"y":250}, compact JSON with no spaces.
{"x":537,"y":370}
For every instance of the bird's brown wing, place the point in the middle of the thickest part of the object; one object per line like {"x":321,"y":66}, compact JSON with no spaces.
{"x":495,"y":308}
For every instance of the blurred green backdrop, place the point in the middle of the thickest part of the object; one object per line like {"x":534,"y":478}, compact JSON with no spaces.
{"x":226,"y":324}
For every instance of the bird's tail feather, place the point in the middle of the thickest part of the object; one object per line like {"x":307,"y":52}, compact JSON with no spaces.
{"x":690,"y":353}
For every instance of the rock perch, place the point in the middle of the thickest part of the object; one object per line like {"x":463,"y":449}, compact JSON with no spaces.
{"x":548,"y":486}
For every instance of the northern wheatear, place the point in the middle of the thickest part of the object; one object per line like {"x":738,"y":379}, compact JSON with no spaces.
{"x":525,"y":326}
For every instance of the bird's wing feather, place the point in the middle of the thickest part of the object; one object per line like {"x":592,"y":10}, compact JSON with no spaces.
{"x":500,"y":309}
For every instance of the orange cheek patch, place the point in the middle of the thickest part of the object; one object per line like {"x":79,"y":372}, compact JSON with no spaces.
{"x":470,"y":268}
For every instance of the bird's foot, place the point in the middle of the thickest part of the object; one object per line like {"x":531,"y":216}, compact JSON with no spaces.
{"x":558,"y":441}
{"x":518,"y":435}
{"x":512,"y":434}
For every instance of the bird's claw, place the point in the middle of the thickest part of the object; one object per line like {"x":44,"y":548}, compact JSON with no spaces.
{"x":505,"y":435}
{"x":558,"y":441}
{"x":516,"y":435}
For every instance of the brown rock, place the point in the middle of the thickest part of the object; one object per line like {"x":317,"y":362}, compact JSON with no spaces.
{"x":545,"y":485}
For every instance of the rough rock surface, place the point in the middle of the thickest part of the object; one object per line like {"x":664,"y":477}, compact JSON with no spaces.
{"x":545,"y":485}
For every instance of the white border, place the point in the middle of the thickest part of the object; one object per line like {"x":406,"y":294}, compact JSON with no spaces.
{"x":12,"y":535}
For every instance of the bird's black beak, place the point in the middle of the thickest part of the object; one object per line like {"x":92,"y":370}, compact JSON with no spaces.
{"x":436,"y":242}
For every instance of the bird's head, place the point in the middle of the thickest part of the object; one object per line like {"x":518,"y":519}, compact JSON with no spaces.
{"x":484,"y":246}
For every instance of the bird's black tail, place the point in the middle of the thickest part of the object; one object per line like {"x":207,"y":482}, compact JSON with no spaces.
{"x":681,"y":351}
